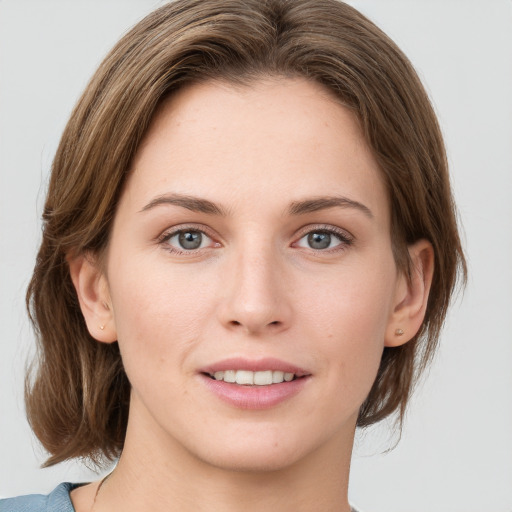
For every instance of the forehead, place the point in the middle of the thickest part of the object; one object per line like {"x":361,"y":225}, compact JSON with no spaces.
{"x":279,"y":137}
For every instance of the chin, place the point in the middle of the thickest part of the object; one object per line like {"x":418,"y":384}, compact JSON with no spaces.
{"x":258,"y":451}
{"x":255,"y":461}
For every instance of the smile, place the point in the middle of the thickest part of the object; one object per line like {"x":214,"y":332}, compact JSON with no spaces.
{"x":249,"y":378}
{"x":246,"y":383}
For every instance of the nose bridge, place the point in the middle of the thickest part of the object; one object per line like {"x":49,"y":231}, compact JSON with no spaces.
{"x":255,"y":299}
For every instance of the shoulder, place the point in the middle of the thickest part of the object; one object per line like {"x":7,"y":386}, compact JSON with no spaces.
{"x":57,"y":501}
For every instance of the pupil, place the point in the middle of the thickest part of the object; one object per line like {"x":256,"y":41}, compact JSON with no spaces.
{"x":190,"y":239}
{"x":319,"y":240}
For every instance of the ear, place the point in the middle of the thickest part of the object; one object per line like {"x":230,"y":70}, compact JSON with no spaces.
{"x":93,"y":295}
{"x":411,"y":296}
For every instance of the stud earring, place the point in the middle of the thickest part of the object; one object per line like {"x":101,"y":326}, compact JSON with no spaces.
{"x":102,"y":327}
{"x":399,"y":332}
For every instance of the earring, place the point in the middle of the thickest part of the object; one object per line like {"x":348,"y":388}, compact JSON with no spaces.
{"x":399,"y":332}
{"x":102,"y":327}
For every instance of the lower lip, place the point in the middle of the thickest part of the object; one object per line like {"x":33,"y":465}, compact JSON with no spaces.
{"x":254,"y":397}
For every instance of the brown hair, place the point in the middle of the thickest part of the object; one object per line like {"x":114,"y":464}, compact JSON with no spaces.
{"x":77,"y":400}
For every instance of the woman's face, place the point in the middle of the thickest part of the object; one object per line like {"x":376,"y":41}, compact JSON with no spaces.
{"x":251,"y":242}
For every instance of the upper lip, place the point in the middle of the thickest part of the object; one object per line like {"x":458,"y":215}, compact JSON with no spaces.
{"x":254,"y":365}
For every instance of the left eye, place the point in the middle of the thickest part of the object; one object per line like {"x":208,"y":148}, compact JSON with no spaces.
{"x":320,"y":240}
{"x":188,"y":240}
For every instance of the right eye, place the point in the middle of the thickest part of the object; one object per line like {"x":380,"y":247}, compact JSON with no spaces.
{"x":320,"y":240}
{"x":186,"y":240}
{"x":324,"y":239}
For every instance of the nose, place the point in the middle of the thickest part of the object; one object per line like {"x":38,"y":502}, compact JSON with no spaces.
{"x":255,"y":299}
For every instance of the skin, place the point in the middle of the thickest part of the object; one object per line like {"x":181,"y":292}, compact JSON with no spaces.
{"x":256,"y":288}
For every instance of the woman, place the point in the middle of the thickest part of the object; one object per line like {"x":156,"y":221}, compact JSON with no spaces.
{"x":249,"y":249}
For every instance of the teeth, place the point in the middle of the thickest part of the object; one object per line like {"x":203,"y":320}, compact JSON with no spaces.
{"x":229,"y":376}
{"x":245,"y":377}
{"x":263,"y":378}
{"x":277,"y":377}
{"x":248,"y":378}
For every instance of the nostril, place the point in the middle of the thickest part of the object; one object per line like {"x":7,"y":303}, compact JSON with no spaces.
{"x":236,"y":323}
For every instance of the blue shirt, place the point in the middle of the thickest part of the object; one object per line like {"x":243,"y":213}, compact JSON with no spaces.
{"x":57,"y":501}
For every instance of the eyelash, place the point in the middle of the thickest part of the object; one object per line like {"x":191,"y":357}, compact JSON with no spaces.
{"x":164,"y":239}
{"x":343,"y":236}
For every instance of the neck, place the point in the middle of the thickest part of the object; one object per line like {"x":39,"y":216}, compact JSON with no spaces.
{"x":156,"y":473}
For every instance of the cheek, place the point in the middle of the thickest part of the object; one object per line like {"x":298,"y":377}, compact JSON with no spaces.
{"x":348,"y":315}
{"x":350,"y":303}
{"x":157,"y":318}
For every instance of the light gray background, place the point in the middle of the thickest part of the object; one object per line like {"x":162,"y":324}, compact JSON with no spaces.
{"x":456,"y":451}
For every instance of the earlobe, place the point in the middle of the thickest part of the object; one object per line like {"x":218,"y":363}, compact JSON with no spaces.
{"x":411,"y":296}
{"x":93,"y":295}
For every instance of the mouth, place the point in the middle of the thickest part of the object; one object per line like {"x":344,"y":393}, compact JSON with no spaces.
{"x":254,"y":384}
{"x":253,"y":378}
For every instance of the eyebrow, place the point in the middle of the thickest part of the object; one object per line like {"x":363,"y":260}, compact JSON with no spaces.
{"x":316,"y":204}
{"x":303,"y":207}
{"x":194,"y":204}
